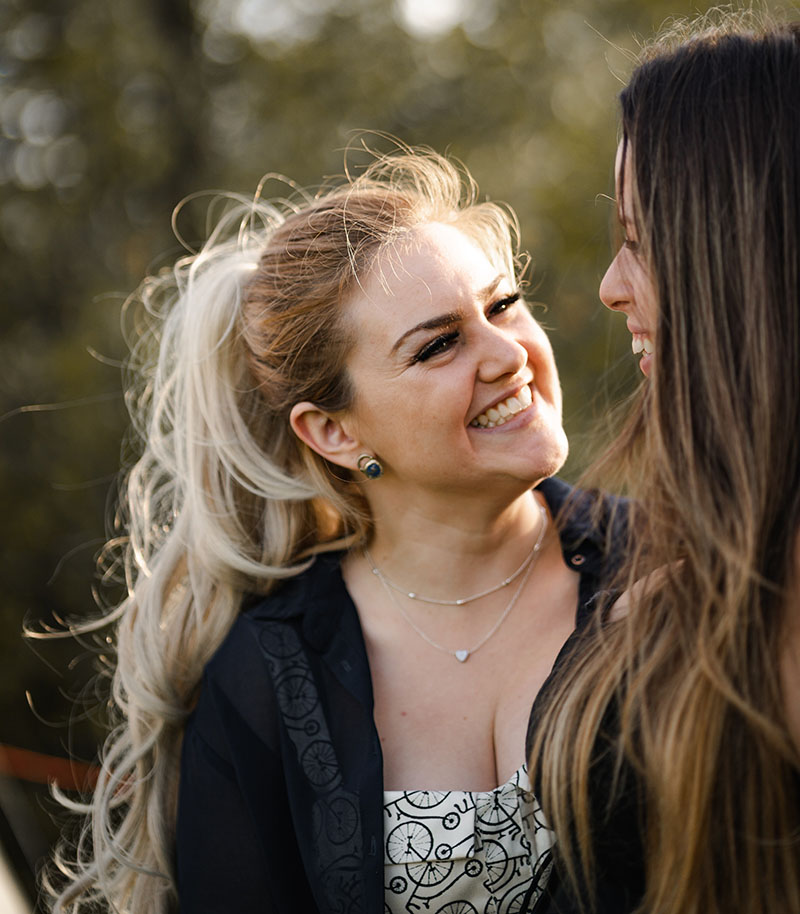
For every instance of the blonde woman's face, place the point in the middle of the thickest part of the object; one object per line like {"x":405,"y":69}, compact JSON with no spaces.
{"x":455,"y":382}
{"x":628,"y":284}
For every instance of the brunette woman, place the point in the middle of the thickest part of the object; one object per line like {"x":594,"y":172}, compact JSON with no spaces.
{"x":666,"y":741}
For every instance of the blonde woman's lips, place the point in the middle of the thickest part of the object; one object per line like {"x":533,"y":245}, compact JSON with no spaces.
{"x":505,"y":410}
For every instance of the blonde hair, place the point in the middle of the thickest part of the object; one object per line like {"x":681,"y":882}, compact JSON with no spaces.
{"x":686,"y":689}
{"x":225,"y":499}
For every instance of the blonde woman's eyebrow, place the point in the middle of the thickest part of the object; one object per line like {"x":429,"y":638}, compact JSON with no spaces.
{"x":433,"y":323}
{"x":451,"y":317}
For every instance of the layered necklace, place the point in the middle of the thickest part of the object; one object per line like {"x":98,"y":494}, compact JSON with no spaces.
{"x":462,"y":655}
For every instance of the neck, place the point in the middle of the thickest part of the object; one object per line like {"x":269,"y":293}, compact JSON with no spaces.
{"x":446,"y":555}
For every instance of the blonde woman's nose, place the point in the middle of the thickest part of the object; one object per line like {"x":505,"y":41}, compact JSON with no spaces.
{"x":501,"y":354}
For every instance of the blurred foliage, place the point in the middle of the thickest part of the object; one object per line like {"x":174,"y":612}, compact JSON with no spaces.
{"x":111,"y":111}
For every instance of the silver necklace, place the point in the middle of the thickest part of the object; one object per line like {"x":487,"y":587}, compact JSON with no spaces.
{"x":463,"y":654}
{"x":413,"y":595}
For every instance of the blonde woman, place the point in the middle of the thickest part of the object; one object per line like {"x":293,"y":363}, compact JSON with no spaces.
{"x":666,"y":743}
{"x":344,"y":589}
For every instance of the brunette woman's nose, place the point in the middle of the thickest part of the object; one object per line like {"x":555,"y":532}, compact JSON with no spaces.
{"x":614,"y":289}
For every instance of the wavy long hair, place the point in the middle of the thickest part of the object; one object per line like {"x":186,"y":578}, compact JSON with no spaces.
{"x":689,"y":681}
{"x":225,"y":499}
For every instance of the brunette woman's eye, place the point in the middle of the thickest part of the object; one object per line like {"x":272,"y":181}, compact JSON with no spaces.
{"x":504,"y":304}
{"x":435,"y":347}
{"x":631,"y":245}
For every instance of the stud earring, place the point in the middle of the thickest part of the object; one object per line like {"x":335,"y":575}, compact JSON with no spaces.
{"x":370,"y":466}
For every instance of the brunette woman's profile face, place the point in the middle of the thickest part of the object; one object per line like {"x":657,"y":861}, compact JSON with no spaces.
{"x":628,"y":283}
{"x":455,"y":382}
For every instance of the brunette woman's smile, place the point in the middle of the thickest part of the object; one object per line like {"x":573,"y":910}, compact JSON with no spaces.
{"x":628,"y":283}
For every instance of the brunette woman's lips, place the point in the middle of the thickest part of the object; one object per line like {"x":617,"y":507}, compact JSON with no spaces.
{"x":643,"y":343}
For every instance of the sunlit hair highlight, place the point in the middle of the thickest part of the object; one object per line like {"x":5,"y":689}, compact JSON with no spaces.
{"x":691,"y":675}
{"x":224,"y":499}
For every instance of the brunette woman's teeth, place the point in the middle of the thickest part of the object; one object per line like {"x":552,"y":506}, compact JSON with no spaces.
{"x":642,"y":343}
{"x":505,"y":410}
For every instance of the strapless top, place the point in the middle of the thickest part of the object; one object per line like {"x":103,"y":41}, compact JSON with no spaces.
{"x":464,"y":852}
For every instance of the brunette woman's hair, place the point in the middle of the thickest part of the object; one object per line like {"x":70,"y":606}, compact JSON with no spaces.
{"x":225,"y":499}
{"x":691,"y":677}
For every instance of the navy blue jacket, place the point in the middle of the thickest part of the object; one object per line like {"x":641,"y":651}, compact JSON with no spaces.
{"x":281,"y":780}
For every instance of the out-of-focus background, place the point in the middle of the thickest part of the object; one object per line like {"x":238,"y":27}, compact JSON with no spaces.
{"x":111,"y":111}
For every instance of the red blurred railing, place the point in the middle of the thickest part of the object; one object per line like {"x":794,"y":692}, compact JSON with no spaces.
{"x":27,"y":765}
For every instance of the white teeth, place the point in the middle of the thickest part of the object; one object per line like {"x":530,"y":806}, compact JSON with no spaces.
{"x":642,"y":343}
{"x":502,"y":412}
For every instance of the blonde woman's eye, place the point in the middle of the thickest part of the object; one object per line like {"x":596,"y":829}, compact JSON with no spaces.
{"x":504,"y":303}
{"x":435,"y":347}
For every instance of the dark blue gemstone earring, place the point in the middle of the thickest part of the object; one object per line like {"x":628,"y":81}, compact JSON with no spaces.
{"x":370,"y":466}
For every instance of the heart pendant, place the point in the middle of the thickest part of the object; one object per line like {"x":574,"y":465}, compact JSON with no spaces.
{"x":461,"y":656}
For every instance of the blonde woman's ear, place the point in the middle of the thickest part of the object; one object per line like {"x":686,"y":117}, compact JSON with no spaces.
{"x":325,"y":434}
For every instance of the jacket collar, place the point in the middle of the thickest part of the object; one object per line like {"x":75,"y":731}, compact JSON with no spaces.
{"x":588,"y":522}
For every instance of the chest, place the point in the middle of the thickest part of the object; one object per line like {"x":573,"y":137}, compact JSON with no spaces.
{"x":445,"y":724}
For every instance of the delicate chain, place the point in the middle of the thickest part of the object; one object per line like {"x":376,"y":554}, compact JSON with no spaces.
{"x":412,"y":595}
{"x":463,"y":655}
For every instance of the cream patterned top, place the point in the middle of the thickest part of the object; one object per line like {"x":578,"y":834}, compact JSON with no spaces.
{"x":459,"y":852}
